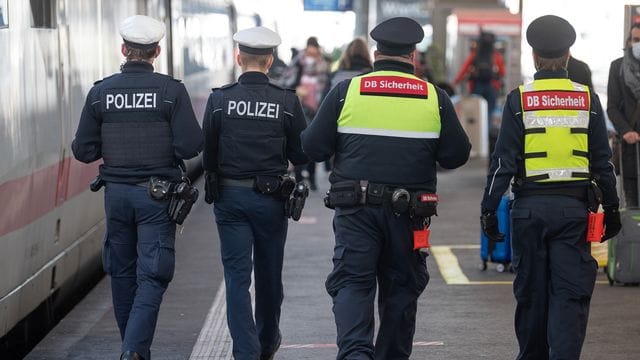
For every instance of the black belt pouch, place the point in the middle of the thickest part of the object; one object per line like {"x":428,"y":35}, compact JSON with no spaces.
{"x":267,"y":184}
{"x":424,"y":204}
{"x":345,"y":194}
{"x":375,"y":194}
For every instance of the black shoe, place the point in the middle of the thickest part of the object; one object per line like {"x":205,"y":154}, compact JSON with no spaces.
{"x":130,"y":355}
{"x":275,"y":349}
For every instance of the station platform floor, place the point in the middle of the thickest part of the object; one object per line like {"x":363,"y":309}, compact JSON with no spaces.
{"x":464,"y":313}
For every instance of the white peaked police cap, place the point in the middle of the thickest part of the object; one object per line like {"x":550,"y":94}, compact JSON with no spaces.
{"x":141,"y":30}
{"x":257,"y":40}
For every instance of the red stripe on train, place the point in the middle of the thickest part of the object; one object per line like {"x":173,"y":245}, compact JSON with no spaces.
{"x":26,"y":199}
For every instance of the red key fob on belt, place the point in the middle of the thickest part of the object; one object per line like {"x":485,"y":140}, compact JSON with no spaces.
{"x":421,"y":239}
{"x":595,"y":226}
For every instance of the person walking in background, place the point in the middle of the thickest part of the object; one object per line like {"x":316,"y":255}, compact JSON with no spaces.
{"x":139,"y":141}
{"x":251,"y":130}
{"x":277,"y":69}
{"x":579,"y":72}
{"x":437,"y":72}
{"x":484,"y":69}
{"x":387,"y":140}
{"x":553,"y":144}
{"x":355,"y":60}
{"x":310,"y":71}
{"x":623,"y":99}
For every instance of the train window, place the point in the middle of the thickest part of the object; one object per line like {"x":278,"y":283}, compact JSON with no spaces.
{"x":43,"y":13}
{"x":4,"y":14}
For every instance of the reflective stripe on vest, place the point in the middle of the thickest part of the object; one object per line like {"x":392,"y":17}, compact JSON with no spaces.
{"x":555,"y":113}
{"x":390,"y":103}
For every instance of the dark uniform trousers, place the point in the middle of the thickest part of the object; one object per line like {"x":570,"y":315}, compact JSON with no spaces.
{"x":139,"y":255}
{"x":373,"y":244}
{"x":249,"y":222}
{"x":555,"y":276}
{"x":627,"y":168}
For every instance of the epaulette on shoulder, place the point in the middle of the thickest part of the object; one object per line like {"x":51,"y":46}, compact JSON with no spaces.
{"x":277,"y":86}
{"x":103,"y":79}
{"x":224,"y":87}
{"x":283,"y":88}
{"x":169,"y":76}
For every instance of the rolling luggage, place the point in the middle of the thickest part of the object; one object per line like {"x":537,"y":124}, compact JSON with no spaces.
{"x":623,"y":265}
{"x":499,"y":253}
{"x":624,"y":251}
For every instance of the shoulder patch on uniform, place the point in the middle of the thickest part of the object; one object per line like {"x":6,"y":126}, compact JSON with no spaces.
{"x":390,"y":85}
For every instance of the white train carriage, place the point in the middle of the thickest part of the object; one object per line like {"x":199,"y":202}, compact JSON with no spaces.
{"x":51,"y":225}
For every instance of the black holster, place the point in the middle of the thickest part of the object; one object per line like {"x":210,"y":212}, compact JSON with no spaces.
{"x":294,"y":205}
{"x":182,"y":199}
{"x":97,"y":184}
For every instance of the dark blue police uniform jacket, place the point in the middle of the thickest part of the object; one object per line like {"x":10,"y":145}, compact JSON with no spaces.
{"x":372,"y":242}
{"x":252,"y":128}
{"x":555,"y":273}
{"x":142,"y":124}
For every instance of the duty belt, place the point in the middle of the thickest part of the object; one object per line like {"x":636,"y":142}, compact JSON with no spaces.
{"x":279,"y":186}
{"x":248,"y":183}
{"x":355,"y":193}
{"x":579,"y":193}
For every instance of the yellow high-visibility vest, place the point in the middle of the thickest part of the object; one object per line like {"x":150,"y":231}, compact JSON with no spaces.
{"x":391,"y":103}
{"x":555,"y":113}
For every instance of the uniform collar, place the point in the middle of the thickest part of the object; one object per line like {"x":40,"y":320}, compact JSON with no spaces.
{"x":137,"y":66}
{"x":392,"y":65}
{"x":551,"y":74}
{"x":253,"y":77}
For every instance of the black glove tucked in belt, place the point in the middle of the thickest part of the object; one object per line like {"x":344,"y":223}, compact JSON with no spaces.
{"x":612,"y":223}
{"x":489,"y":222}
{"x":211,"y":187}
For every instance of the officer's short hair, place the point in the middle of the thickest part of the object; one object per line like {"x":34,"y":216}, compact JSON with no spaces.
{"x":553,"y":64}
{"x":254,"y":59}
{"x":140,"y":53}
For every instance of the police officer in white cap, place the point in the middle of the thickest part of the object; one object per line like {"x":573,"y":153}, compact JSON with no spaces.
{"x":251,"y":130}
{"x":142,"y":125}
{"x":553,"y":145}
